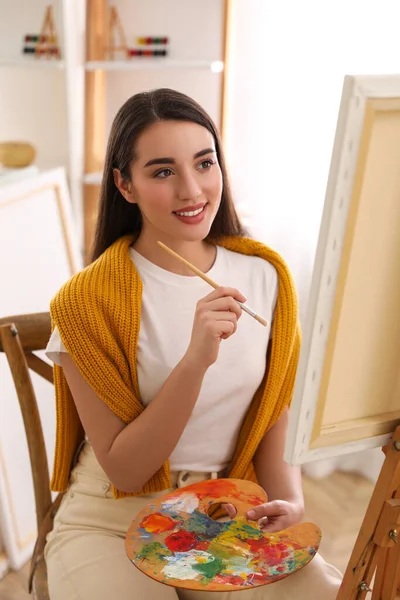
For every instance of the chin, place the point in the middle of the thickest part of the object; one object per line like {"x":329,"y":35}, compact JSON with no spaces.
{"x":195,"y":234}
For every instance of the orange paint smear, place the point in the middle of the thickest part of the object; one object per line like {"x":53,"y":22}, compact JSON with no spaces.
{"x":157,"y":523}
{"x":224,"y":488}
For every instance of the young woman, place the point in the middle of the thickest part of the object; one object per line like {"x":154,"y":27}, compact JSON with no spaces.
{"x":160,"y":380}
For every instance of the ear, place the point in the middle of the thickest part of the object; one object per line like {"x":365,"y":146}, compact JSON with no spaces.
{"x":124,"y":186}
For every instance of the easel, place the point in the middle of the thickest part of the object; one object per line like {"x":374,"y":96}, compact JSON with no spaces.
{"x":115,"y":24}
{"x":378,"y":543}
{"x":47,"y":45}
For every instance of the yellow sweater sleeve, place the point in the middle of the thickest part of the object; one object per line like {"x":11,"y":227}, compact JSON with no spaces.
{"x":98,"y":315}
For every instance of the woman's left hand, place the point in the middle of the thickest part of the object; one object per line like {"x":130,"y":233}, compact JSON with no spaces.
{"x":272,"y":516}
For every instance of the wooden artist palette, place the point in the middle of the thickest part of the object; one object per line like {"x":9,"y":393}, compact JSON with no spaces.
{"x":174,"y":541}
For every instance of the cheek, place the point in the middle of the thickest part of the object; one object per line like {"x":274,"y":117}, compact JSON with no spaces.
{"x":153,"y":195}
{"x":214,"y":184}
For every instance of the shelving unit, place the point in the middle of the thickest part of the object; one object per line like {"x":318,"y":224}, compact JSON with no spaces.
{"x":65,"y":107}
{"x":32,"y":63}
{"x":215,"y":66}
{"x":42,"y":99}
{"x":102,"y":74}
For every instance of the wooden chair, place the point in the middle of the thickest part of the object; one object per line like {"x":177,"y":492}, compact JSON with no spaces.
{"x":20,"y":336}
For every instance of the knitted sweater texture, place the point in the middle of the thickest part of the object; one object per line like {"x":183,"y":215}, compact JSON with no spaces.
{"x":97,"y":313}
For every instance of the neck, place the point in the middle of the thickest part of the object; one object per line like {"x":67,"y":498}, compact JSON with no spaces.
{"x":200,"y":253}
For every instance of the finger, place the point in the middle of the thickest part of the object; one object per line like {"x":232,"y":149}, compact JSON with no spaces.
{"x":269,"y":509}
{"x":224,"y":291}
{"x":224,"y":304}
{"x":230,"y":510}
{"x":224,"y":328}
{"x":219,"y":315}
{"x":228,"y":317}
{"x":273,"y":526}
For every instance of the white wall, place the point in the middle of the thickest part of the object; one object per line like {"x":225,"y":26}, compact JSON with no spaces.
{"x":286,"y":71}
{"x":195,"y":33}
{"x":287,"y":64}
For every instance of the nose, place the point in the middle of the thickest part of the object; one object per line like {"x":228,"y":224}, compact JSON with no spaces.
{"x":189,"y":188}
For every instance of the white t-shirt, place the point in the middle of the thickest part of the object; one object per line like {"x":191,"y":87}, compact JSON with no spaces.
{"x":168,"y":306}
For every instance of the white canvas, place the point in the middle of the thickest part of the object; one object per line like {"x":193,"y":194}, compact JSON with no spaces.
{"x":38,"y":253}
{"x":361,"y":97}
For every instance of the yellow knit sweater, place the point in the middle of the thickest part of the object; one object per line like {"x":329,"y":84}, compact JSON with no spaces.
{"x":97,"y":313}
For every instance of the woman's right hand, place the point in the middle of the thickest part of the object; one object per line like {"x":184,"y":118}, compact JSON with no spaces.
{"x":215,"y":319}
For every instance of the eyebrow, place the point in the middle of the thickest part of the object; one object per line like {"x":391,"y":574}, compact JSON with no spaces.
{"x":170,"y":161}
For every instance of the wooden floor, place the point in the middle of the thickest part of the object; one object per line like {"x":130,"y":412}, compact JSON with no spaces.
{"x":336,"y":504}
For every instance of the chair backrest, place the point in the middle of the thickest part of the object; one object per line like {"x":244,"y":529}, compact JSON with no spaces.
{"x":20,"y":336}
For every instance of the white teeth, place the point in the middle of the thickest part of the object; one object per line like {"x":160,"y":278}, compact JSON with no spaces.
{"x":192,"y":213}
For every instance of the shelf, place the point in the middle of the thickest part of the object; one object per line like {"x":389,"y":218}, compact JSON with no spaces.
{"x":93,"y":178}
{"x":32,"y":63}
{"x":216,"y":66}
{"x":11,"y":175}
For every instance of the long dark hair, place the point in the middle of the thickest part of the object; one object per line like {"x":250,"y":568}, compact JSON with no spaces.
{"x":116,"y":216}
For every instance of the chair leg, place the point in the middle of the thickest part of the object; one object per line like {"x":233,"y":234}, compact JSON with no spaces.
{"x":45,"y":528}
{"x":40,"y":590}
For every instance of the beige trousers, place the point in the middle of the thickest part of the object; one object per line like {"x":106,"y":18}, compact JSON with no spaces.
{"x":86,"y":559}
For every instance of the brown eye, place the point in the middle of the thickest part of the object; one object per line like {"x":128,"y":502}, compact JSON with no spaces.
{"x":163,"y":174}
{"x":206,"y":164}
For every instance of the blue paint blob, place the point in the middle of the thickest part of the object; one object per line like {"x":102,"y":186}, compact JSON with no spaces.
{"x":204,"y":527}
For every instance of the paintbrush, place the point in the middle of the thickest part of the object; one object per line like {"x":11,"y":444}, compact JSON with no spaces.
{"x":212,"y":283}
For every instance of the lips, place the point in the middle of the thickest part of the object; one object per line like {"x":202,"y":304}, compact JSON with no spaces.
{"x":193,"y":216}
{"x":190,"y":208}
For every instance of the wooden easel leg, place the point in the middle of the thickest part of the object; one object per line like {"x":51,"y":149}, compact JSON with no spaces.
{"x":397,"y":496}
{"x":42,"y":33}
{"x":111,"y":24}
{"x":380,"y":519}
{"x":115,"y":25}
{"x":380,"y":573}
{"x":387,"y":539}
{"x":48,"y":28}
{"x":370,"y":571}
{"x":392,"y":573}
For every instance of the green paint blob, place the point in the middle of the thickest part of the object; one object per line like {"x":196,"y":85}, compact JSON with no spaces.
{"x":245,"y":532}
{"x":154,"y":551}
{"x":209,"y":569}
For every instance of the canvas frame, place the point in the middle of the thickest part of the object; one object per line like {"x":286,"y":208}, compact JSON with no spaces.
{"x":47,"y":188}
{"x":367,"y":103}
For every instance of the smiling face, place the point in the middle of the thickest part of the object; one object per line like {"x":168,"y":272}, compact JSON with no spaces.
{"x":175,"y":180}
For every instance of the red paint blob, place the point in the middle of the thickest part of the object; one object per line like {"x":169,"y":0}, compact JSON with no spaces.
{"x":261,"y":577}
{"x":272,"y":554}
{"x":181,"y":541}
{"x":231,"y":579}
{"x":202,"y":545}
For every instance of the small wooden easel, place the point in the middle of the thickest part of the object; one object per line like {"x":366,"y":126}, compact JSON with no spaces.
{"x":377,"y":547}
{"x":47,"y":41}
{"x":116,"y":25}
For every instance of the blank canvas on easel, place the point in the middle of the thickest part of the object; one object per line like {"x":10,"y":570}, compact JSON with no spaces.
{"x":347,"y":394}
